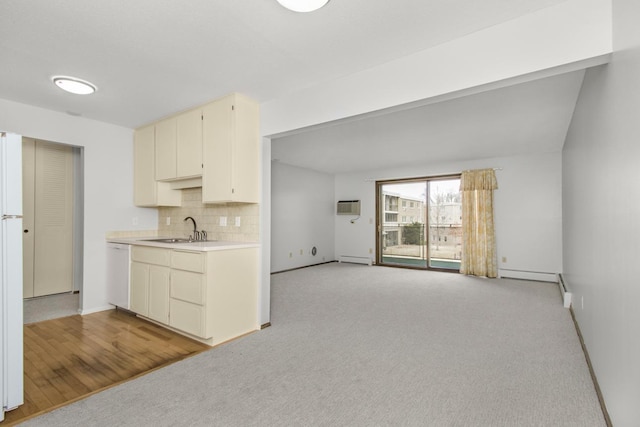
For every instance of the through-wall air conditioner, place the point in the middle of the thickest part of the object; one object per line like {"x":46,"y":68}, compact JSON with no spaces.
{"x":348,"y":207}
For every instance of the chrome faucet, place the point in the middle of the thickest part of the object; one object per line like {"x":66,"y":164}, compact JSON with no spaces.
{"x":195,"y":228}
{"x":198,"y":236}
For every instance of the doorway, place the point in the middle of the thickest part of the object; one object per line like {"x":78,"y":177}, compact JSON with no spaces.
{"x":419,"y":223}
{"x":52,"y":236}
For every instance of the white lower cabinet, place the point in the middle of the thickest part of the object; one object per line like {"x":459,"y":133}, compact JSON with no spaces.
{"x":209,"y":295}
{"x":139,"y":288}
{"x":150,"y":275}
{"x":188,"y":293}
{"x":187,"y":317}
{"x":159,"y":293}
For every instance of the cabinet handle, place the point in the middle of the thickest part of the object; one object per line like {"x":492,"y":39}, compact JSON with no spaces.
{"x":26,"y":231}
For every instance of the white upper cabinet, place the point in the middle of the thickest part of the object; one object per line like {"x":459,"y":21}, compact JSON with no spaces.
{"x":166,"y":149}
{"x":230,"y":134}
{"x":189,"y":144}
{"x":179,"y":146}
{"x":146,"y":190}
{"x":216,"y":147}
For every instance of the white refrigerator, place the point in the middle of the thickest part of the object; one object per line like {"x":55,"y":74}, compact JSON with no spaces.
{"x":11,"y":351}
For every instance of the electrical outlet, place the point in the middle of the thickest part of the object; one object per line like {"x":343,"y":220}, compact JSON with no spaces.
{"x":237,"y":221}
{"x":370,"y":220}
{"x":168,"y":220}
{"x":504,"y":259}
{"x":290,"y":254}
{"x":223,"y":221}
{"x":301,"y":252}
{"x":370,"y":250}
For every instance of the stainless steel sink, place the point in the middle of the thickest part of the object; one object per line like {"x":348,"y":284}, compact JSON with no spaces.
{"x":177,"y":240}
{"x":169,"y":240}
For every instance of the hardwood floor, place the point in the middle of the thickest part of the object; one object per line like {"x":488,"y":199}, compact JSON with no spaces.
{"x":72,"y":357}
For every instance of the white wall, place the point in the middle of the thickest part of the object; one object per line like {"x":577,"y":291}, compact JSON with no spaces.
{"x":108,"y":185}
{"x":601,"y":178}
{"x":528,"y":209}
{"x":302,"y":215}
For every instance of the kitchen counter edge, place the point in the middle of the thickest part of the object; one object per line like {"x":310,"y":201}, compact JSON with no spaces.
{"x":193,"y":246}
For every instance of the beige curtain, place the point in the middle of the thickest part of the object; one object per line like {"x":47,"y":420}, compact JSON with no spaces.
{"x":479,"y":256}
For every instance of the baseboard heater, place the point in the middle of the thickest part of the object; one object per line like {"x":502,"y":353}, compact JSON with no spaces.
{"x":566,"y":295}
{"x":355,"y":259}
{"x":528,"y":275}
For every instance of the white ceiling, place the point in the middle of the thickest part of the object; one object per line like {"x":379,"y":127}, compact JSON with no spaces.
{"x":527,"y":118}
{"x":152,"y":58}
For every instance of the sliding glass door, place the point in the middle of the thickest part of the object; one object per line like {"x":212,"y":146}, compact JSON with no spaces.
{"x":419,"y":223}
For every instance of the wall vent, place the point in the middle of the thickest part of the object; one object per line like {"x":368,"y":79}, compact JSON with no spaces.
{"x":348,"y":207}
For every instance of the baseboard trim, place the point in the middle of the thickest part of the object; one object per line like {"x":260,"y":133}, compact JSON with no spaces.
{"x":603,"y":406}
{"x":304,"y":266}
{"x":97,"y":309}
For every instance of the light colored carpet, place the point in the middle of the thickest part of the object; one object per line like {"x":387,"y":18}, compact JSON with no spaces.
{"x":50,"y":307}
{"x":354,"y":345}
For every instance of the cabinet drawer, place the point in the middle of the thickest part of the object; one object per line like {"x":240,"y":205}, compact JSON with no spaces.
{"x":149,"y":255}
{"x":190,"y":261}
{"x":187,"y":286}
{"x":187,"y":317}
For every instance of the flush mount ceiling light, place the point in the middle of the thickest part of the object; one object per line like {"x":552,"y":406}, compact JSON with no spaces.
{"x":74,"y":85}
{"x":303,"y":5}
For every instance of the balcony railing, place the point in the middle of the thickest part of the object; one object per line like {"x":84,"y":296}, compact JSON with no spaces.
{"x":407,"y":244}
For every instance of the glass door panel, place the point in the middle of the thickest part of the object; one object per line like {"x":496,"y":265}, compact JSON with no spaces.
{"x":445,"y":224}
{"x":402,"y":229}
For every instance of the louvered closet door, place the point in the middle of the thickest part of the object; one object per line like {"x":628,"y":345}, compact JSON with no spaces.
{"x":28,"y":210}
{"x":53,"y":267}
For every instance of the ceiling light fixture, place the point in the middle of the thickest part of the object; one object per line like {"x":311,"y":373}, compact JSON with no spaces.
{"x":303,"y":5}
{"x":74,"y":85}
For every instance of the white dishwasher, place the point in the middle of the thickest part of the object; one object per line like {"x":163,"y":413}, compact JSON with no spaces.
{"x":118,"y":255}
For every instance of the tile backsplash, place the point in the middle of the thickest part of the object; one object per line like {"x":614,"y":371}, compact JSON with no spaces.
{"x":208,"y":218}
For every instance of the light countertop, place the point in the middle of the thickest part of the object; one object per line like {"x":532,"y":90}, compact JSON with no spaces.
{"x":189,"y":246}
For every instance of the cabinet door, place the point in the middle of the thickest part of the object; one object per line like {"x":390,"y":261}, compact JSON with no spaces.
{"x":159,"y":293}
{"x":144,"y":179}
{"x":166,"y":149}
{"x":139,"y":288}
{"x":246,"y":151}
{"x":189,"y":144}
{"x":231,"y":150}
{"x":146,"y":190}
{"x":217,"y":136}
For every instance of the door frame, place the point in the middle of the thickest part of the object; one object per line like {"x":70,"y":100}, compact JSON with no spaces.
{"x":379,"y":223}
